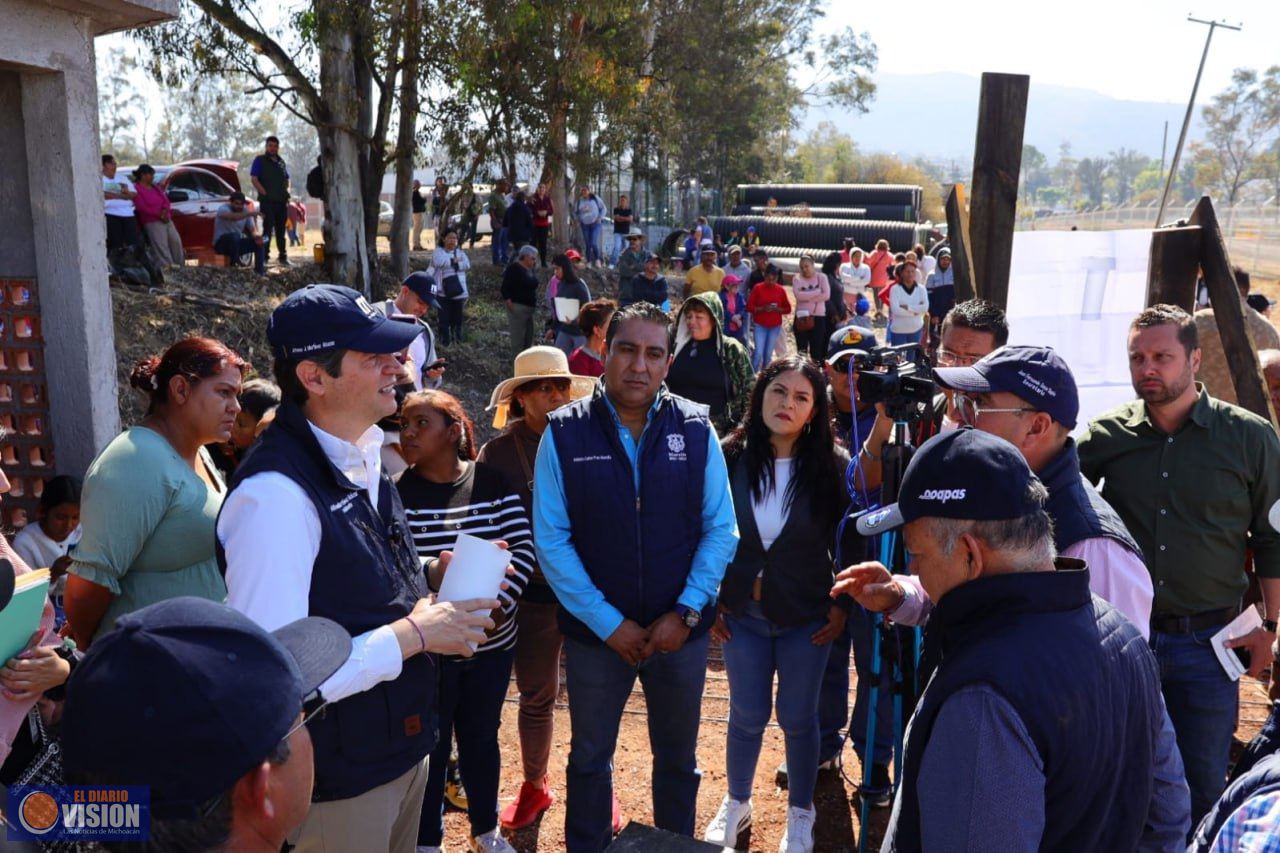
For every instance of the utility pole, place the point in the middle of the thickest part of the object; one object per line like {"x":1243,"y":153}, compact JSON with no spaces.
{"x":1191,"y":105}
{"x":1164,"y":146}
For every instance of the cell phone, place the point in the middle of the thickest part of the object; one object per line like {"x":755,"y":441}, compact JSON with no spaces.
{"x":1242,"y":655}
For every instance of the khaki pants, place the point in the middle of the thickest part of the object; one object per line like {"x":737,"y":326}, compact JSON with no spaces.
{"x":166,"y":245}
{"x":384,"y":818}
{"x":417,"y":231}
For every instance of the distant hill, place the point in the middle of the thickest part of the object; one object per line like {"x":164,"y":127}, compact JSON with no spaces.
{"x":935,"y":116}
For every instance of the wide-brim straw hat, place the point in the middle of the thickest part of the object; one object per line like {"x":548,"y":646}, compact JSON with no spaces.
{"x":533,"y":365}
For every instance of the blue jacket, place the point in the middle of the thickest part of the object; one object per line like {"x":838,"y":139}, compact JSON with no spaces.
{"x":1077,"y":510}
{"x":636,"y":530}
{"x":366,"y":575}
{"x":1262,"y":778}
{"x":1080,"y":679}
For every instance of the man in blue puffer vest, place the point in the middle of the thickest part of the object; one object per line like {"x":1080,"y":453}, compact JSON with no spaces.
{"x":1044,"y":696}
{"x":634,"y":525}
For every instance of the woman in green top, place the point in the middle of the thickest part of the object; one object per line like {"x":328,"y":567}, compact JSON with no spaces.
{"x":151,"y":498}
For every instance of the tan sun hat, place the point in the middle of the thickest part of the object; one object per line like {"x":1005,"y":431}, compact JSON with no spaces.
{"x":534,"y":364}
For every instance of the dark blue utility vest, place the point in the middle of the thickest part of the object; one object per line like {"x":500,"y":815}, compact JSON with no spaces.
{"x":1077,"y":510}
{"x":1263,"y":778}
{"x":366,"y":575}
{"x":637,"y":549}
{"x":1083,"y":682}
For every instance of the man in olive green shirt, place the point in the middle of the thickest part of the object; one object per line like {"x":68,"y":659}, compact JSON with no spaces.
{"x":1194,"y":479}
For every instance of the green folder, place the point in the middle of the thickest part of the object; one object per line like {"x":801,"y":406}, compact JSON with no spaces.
{"x":21,"y":617}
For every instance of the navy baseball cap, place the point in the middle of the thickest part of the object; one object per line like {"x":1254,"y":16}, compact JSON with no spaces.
{"x":423,"y":286}
{"x":964,"y":473}
{"x":845,"y":340}
{"x":321,"y":318}
{"x":188,"y":695}
{"x":1036,"y":374}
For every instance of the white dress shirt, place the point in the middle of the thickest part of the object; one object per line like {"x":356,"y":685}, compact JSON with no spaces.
{"x":270,"y":533}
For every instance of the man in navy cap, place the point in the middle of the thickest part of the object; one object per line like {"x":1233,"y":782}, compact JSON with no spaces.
{"x":1044,"y":694}
{"x":415,"y":299}
{"x":206,"y":709}
{"x":312,"y":525}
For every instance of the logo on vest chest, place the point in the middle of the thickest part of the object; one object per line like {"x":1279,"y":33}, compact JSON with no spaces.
{"x":344,"y":505}
{"x":675,"y":448}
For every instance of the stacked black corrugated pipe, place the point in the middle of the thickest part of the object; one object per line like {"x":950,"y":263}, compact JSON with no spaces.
{"x":830,"y":195}
{"x":819,"y":212}
{"x":821,"y":234}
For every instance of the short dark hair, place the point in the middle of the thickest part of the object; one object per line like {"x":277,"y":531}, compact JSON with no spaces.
{"x":1169,"y":315}
{"x":285,"y":371}
{"x":108,"y":158}
{"x":236,"y":196}
{"x":979,"y":315}
{"x":274,"y":139}
{"x":258,"y":396}
{"x":646,"y":311}
{"x":59,"y":490}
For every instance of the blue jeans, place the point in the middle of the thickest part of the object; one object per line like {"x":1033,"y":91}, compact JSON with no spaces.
{"x":469,"y":705}
{"x":758,"y":649}
{"x":899,"y":338}
{"x":1202,"y":703}
{"x":599,"y":682}
{"x":499,"y":248}
{"x":833,"y":699}
{"x":765,"y":338}
{"x":619,"y":245}
{"x":235,"y":247}
{"x":591,"y":236}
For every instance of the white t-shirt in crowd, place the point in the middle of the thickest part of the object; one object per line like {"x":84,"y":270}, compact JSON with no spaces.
{"x":771,"y":512}
{"x":40,"y":552}
{"x":117,"y":206}
{"x":908,"y":309}
{"x":856,"y":278}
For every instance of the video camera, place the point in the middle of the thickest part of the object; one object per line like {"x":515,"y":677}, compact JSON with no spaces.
{"x":891,"y":376}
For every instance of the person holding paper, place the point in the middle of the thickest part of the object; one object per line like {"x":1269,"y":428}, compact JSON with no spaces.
{"x":1193,"y":478}
{"x":447,"y":495}
{"x":633,"y":525}
{"x":571,"y":294}
{"x":312,"y":525}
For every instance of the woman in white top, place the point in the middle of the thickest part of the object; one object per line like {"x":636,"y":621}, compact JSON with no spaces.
{"x":449,"y":265}
{"x":909,"y":306}
{"x":776,"y":617}
{"x":856,"y":278}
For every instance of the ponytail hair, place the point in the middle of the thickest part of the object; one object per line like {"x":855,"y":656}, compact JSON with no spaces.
{"x":192,"y":358}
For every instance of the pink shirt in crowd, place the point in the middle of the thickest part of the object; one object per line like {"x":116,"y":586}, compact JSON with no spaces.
{"x":151,"y":204}
{"x":811,"y":294}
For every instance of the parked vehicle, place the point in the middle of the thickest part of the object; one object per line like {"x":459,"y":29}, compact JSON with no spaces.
{"x":385,"y":212}
{"x":196,"y":189}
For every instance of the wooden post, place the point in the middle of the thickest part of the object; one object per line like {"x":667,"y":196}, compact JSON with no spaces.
{"x":958,"y":239}
{"x":997,"y":159}
{"x":1228,"y":312}
{"x":1175,"y":267}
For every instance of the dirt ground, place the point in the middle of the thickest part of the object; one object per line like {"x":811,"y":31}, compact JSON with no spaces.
{"x":837,"y":826}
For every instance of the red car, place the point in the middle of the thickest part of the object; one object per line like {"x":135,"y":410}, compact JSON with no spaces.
{"x":196,"y":189}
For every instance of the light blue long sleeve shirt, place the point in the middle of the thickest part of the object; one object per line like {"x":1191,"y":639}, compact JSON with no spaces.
{"x":559,"y":560}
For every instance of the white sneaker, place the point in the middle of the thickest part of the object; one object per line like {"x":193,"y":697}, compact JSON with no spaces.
{"x":491,"y":842}
{"x":730,"y":822}
{"x":799,"y":835}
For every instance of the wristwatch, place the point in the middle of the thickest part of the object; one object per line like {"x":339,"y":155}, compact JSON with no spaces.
{"x":1269,"y":625}
{"x":689,"y":616}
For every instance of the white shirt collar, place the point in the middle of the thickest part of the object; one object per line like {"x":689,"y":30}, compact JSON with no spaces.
{"x":361,"y":462}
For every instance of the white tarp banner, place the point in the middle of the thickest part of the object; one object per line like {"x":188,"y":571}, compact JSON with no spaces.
{"x":1077,"y":291}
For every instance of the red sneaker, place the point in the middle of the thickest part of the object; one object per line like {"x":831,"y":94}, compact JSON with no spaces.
{"x":617,"y":816}
{"x":531,"y":802}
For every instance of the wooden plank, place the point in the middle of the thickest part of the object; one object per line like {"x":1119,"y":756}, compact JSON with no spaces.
{"x":958,"y":240}
{"x":997,"y":159}
{"x":1175,"y":267}
{"x":1228,"y":311}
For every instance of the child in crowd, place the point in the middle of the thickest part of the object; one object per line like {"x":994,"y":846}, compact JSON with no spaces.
{"x":258,"y":398}
{"x":46,"y":543}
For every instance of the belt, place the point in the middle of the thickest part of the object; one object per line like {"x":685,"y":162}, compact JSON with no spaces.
{"x":1193,"y":623}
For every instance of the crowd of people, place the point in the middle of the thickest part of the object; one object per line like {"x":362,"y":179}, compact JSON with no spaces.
{"x":662,"y":479}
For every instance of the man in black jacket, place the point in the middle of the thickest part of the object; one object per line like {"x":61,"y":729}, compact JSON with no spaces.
{"x":520,"y":293}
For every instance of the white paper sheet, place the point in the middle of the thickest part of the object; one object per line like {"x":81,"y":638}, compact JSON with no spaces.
{"x":567,"y":309}
{"x":1246,"y":622}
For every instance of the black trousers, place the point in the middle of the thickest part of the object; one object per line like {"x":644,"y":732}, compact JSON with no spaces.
{"x":274,"y":215}
{"x":540,"y":235}
{"x":123,"y":231}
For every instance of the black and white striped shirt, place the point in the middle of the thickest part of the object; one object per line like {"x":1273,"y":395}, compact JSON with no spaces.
{"x":480,"y":503}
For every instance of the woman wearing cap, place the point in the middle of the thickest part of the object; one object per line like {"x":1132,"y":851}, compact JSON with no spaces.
{"x":156,"y":217}
{"x":908,"y":306}
{"x":588,"y":359}
{"x":569,"y":334}
{"x":542,"y":383}
{"x":710,"y":367}
{"x":447,"y":493}
{"x":776,"y":617}
{"x":449,"y":265}
{"x":811,"y":290}
{"x":152,"y":496}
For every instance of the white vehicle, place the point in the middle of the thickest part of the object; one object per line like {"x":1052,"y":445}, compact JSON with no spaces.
{"x":385,"y":212}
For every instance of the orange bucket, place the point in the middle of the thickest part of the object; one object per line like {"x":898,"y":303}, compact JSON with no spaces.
{"x":317,"y":252}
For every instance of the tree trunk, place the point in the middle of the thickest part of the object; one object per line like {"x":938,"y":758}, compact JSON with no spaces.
{"x":406,"y":144}
{"x":340,"y":146}
{"x":553,"y":171}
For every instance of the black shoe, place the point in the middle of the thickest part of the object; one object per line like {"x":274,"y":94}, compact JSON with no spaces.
{"x":878,"y":794}
{"x":284,"y":262}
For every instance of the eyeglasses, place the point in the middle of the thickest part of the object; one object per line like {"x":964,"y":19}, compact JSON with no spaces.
{"x":310,"y":707}
{"x":970,"y":410}
{"x":947,"y":358}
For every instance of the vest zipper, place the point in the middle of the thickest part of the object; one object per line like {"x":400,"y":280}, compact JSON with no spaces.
{"x":640,"y":548}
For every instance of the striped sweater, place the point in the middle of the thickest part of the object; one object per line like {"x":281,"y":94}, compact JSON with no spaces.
{"x":481,"y":503}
